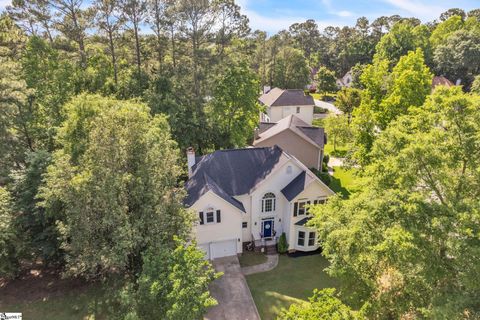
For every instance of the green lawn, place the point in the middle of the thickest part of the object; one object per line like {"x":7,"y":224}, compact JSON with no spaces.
{"x":252,"y":258}
{"x":293,"y":280}
{"x":339,"y":152}
{"x":344,"y":181}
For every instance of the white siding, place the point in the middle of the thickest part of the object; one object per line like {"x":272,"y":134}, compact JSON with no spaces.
{"x":229,"y":228}
{"x":278,"y":113}
{"x":275,"y":183}
{"x":314,"y":191}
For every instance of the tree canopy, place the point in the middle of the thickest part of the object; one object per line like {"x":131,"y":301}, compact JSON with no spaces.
{"x":407,"y":243}
{"x":119,"y":148}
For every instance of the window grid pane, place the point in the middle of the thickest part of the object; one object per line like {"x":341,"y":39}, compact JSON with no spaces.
{"x":210,"y":217}
{"x":301,"y":208}
{"x":311,"y":239}
{"x":301,"y":238}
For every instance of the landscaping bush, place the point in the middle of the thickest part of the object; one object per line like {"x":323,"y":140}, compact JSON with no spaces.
{"x":326,"y":158}
{"x":323,"y":176}
{"x":282,"y":245}
{"x":319,"y":110}
{"x":324,"y":167}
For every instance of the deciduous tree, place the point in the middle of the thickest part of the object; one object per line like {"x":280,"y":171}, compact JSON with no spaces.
{"x":407,"y":242}
{"x":118,"y":148}
{"x":234,"y":109}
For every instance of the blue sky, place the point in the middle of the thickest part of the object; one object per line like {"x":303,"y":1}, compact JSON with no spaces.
{"x":275,"y":15}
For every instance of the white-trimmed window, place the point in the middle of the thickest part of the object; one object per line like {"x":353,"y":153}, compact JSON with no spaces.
{"x":311,"y":239}
{"x":299,"y":208}
{"x":289,"y":169}
{"x":210,"y":216}
{"x":268,"y":202}
{"x":301,"y":238}
{"x":320,"y":201}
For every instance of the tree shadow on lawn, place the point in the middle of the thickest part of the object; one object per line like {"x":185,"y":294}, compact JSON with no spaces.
{"x":336,"y":186}
{"x":293,"y":280}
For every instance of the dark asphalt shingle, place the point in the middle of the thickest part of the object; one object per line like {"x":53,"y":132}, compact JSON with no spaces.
{"x":288,"y":97}
{"x":294,"y":188}
{"x":303,"y":221}
{"x":230,"y":173}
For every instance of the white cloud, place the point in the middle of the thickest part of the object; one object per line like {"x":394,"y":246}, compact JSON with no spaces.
{"x":418,"y":9}
{"x":344,"y":13}
{"x":262,"y":22}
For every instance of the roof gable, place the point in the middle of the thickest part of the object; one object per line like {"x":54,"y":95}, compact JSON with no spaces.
{"x":313,"y":135}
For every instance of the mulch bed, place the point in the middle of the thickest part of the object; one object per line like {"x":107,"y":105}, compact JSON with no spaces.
{"x":297,"y":254}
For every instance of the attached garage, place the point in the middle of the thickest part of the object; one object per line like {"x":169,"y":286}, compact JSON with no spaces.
{"x":219,"y":249}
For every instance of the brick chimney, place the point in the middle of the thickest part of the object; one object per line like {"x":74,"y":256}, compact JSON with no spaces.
{"x":190,"y":160}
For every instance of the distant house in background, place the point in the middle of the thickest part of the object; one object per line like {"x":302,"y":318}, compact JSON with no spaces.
{"x":345,"y":81}
{"x":441,"y":81}
{"x":294,"y":136}
{"x":280,"y":103}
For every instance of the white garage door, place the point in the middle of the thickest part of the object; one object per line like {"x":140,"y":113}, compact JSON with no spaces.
{"x":223,"y":249}
{"x":205,"y":248}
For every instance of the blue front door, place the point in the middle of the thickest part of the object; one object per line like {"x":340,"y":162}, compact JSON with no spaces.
{"x":267,"y":228}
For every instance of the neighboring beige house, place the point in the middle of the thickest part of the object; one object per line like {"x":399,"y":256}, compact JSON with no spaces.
{"x":441,"y":81}
{"x":345,"y":81}
{"x":252,"y":195}
{"x":280,"y":103}
{"x":294,"y":136}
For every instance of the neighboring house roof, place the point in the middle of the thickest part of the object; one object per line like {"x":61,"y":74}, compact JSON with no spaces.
{"x":264,"y":126}
{"x":303,"y":221}
{"x":295,"y":187}
{"x":286,"y":97}
{"x":441,"y":81}
{"x":231,"y":173}
{"x":314,"y":135}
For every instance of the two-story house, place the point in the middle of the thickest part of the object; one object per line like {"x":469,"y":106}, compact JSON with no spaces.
{"x":280,"y":103}
{"x":251,"y":194}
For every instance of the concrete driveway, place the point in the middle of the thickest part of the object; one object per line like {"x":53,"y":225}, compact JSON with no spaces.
{"x":235,"y":301}
{"x":327,"y":105}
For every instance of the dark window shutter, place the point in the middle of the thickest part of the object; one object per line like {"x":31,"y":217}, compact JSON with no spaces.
{"x":200,"y":214}
{"x":306,"y":210}
{"x":219,"y":218}
{"x":295,"y":208}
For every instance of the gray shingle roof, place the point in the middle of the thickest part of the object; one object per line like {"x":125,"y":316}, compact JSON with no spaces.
{"x":314,"y":135}
{"x":294,"y":188}
{"x":230,"y":173}
{"x":288,"y":97}
{"x":264,"y":126}
{"x":303,"y":221}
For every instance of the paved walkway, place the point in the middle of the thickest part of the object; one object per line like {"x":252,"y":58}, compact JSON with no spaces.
{"x":334,"y":162}
{"x":327,"y":105}
{"x":235,"y":301}
{"x":272,"y":262}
